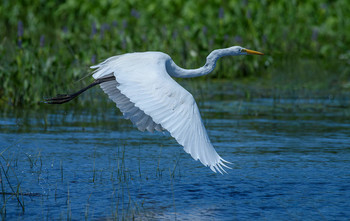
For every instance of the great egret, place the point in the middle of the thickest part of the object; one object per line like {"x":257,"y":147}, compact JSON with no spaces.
{"x":140,"y":85}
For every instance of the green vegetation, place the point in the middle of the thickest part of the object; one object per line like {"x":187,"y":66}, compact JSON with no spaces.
{"x":11,"y":187}
{"x":45,"y":44}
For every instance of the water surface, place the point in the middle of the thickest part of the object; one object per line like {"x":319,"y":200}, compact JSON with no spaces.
{"x":290,"y":161}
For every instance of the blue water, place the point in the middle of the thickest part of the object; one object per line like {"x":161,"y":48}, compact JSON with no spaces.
{"x":290,"y":161}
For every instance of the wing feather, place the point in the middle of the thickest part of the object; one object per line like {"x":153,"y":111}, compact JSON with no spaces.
{"x":128,"y":108}
{"x":152,"y":100}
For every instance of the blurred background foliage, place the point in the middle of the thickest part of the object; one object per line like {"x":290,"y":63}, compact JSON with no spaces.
{"x":46,"y":46}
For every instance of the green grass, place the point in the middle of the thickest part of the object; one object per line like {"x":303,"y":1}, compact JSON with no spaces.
{"x":48,"y":46}
{"x":122,"y":203}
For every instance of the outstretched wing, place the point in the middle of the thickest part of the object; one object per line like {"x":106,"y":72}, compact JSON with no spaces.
{"x":141,"y":120}
{"x":151,"y":99}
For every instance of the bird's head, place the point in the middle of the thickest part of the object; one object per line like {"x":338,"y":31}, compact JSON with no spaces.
{"x":238,"y":50}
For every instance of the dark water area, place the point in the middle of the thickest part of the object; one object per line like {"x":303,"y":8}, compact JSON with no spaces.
{"x":290,"y":161}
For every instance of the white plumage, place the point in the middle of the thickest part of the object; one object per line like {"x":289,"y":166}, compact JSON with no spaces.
{"x":141,"y":86}
{"x":146,"y":94}
{"x":152,"y":100}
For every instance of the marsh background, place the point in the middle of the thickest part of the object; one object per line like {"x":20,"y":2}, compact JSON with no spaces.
{"x":46,"y":42}
{"x":46,"y":48}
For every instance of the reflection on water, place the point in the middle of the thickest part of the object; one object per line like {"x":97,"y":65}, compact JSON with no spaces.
{"x":290,"y":161}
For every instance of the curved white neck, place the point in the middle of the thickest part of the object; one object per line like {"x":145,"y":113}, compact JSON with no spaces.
{"x":176,"y":71}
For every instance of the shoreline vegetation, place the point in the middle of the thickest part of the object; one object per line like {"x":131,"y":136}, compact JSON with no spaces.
{"x":48,"y":47}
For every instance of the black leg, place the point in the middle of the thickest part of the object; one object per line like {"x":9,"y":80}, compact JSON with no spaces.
{"x":63,"y":98}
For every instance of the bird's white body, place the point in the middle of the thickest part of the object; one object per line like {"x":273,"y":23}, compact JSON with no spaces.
{"x":147,"y":95}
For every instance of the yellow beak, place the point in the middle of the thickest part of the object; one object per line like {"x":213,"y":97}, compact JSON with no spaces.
{"x":252,"y":52}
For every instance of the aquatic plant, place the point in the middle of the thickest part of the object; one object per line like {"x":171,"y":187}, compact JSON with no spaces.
{"x":54,"y":43}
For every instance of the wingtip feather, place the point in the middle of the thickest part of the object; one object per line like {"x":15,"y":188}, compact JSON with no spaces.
{"x":218,"y":166}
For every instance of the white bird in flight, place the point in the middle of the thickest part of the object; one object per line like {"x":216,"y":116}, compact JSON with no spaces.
{"x":140,"y":84}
